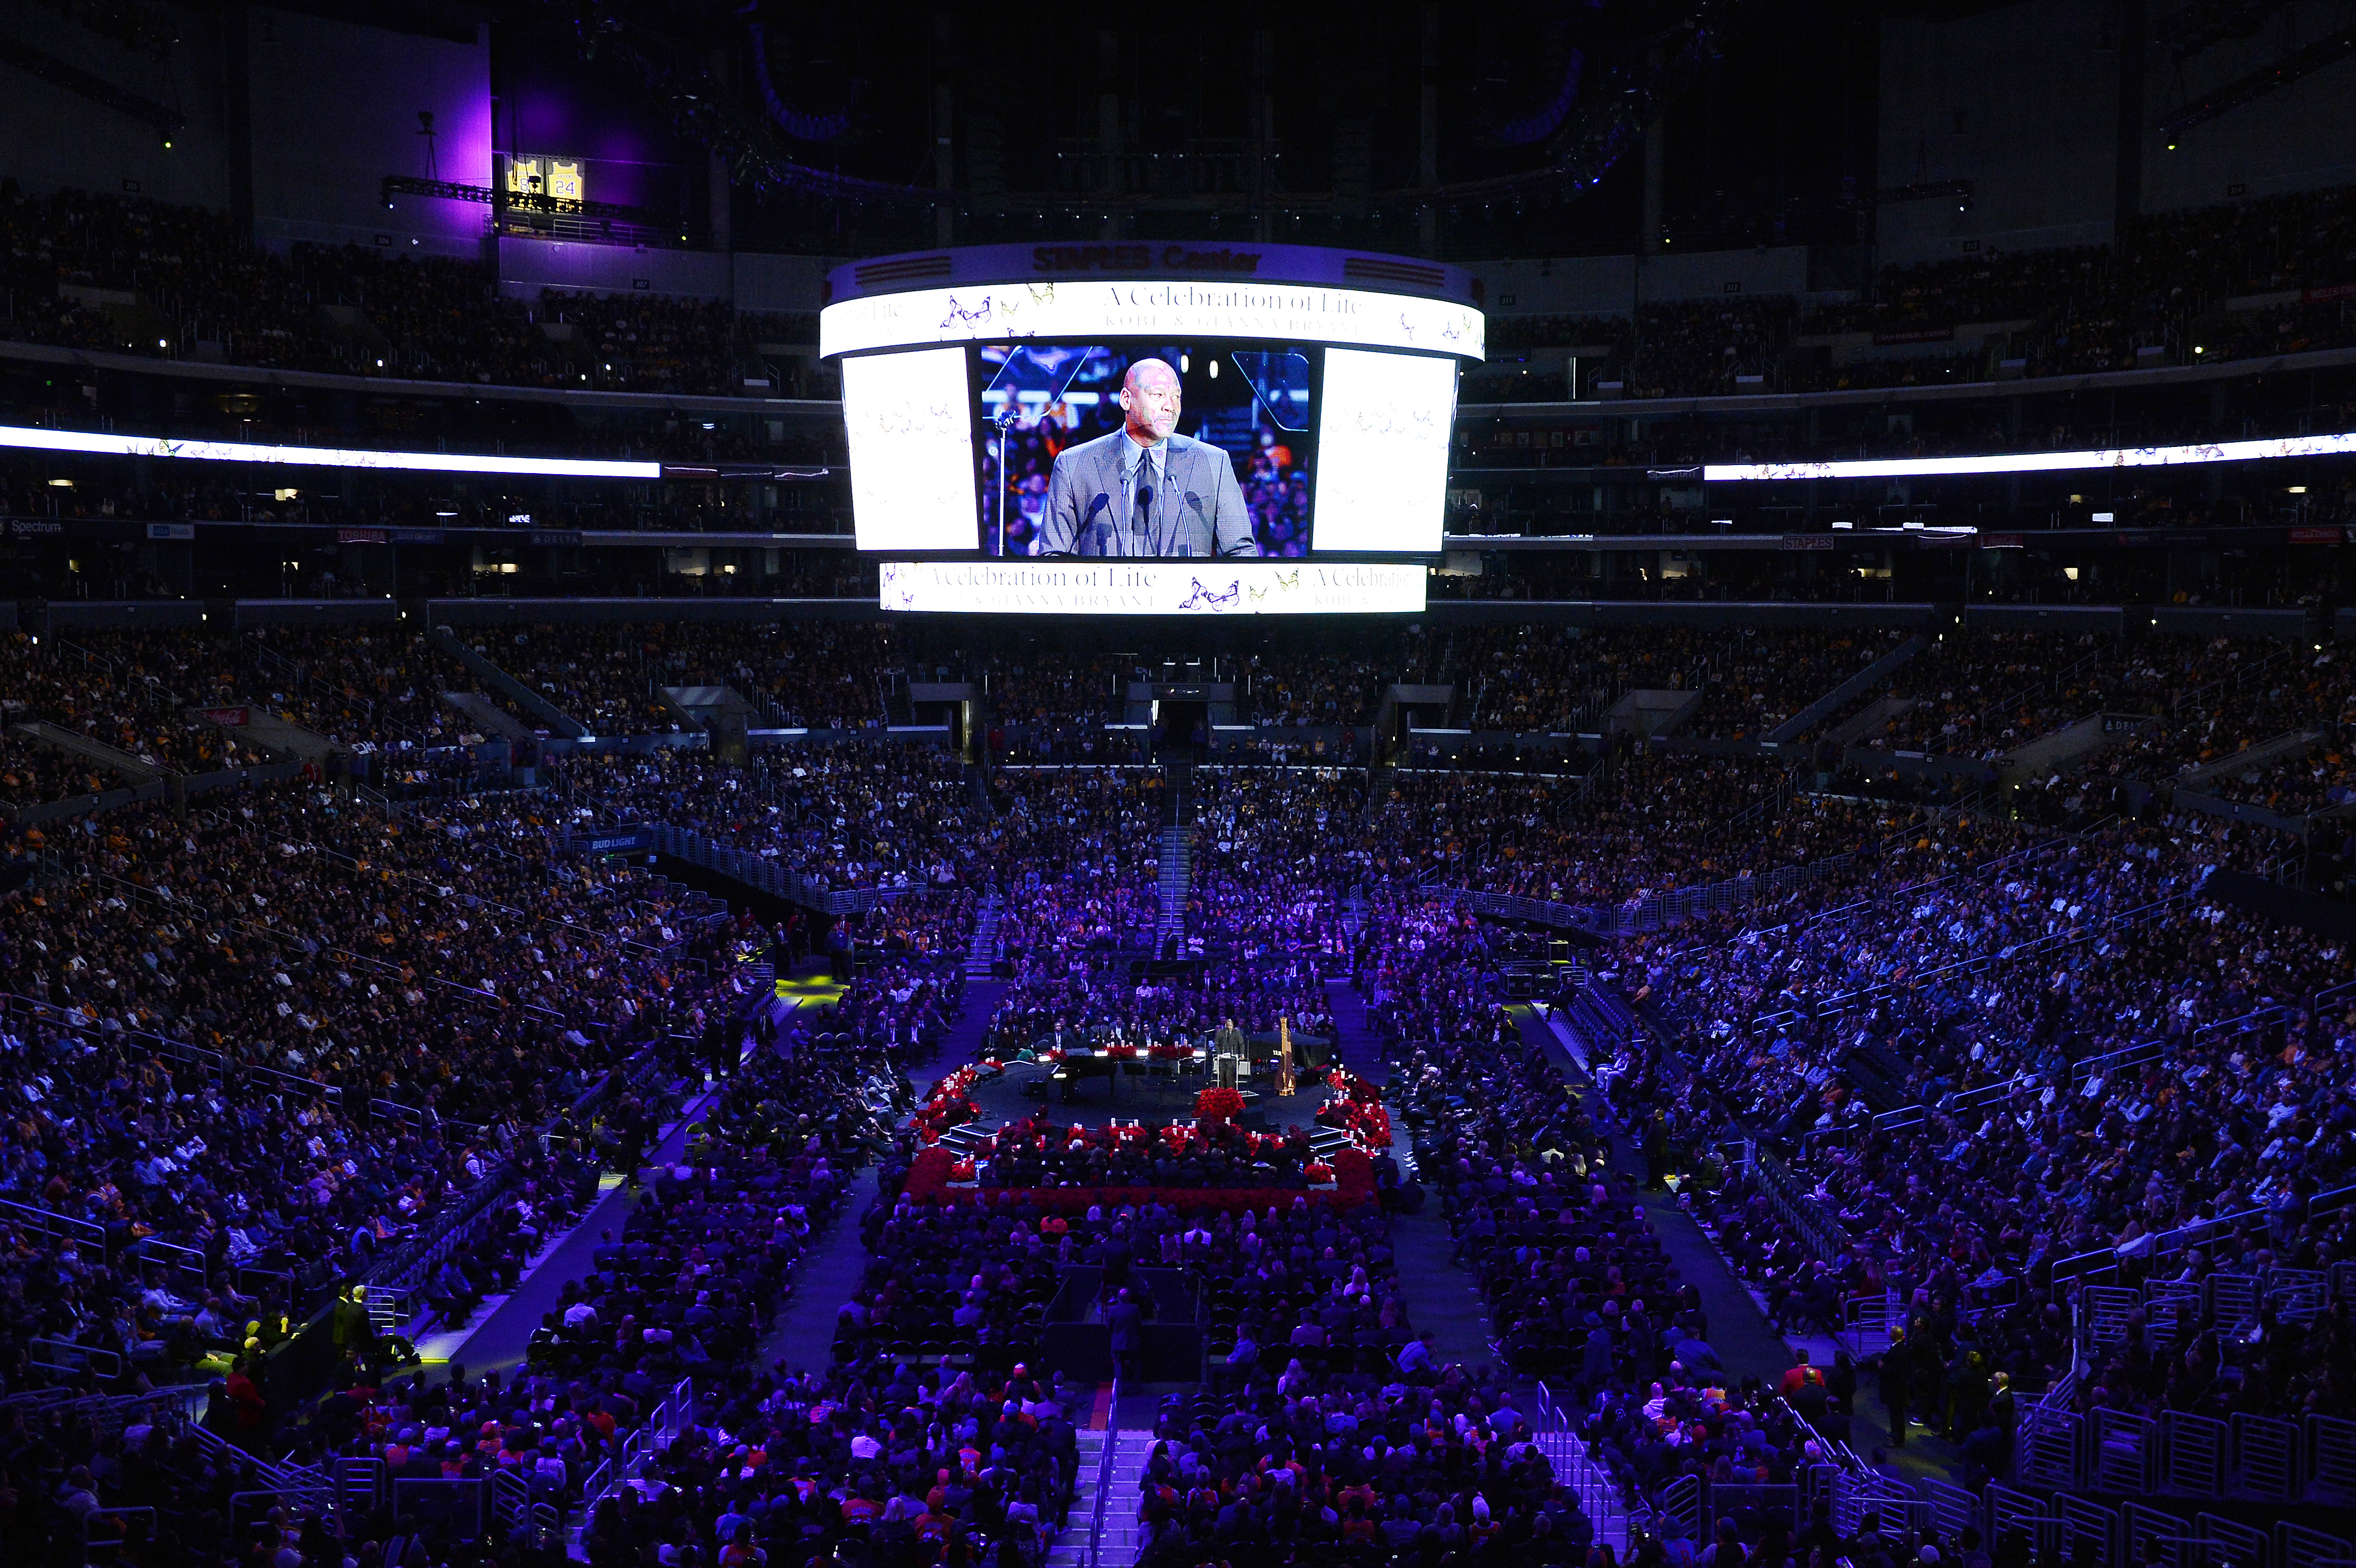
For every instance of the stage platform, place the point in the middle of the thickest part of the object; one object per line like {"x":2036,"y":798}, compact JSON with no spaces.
{"x":1152,"y":1098}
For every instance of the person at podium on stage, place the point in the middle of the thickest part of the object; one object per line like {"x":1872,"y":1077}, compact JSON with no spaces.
{"x":1144,"y":491}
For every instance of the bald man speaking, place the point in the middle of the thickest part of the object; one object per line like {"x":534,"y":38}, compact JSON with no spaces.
{"x":1142,"y":491}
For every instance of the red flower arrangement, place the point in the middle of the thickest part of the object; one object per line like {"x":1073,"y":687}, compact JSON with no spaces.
{"x":1121,"y":1053}
{"x":1219,"y":1103}
{"x":1319,"y":1174}
{"x":946,"y":1105}
{"x":1170,"y":1053}
{"x":1357,"y":1108}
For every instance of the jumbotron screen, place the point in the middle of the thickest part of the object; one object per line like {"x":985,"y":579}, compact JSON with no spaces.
{"x":1158,"y":424}
{"x":1160,"y":451}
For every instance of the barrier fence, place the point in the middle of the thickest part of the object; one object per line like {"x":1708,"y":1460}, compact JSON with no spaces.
{"x":1791,"y":1202}
{"x":671,"y":1417}
{"x":2250,"y":1458}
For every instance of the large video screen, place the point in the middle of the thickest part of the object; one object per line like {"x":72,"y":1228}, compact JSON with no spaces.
{"x":911,"y":450}
{"x":1158,"y":450}
{"x":1161,"y":449}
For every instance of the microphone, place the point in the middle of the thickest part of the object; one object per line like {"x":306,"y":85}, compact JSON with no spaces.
{"x":1141,"y":512}
{"x":1103,"y":500}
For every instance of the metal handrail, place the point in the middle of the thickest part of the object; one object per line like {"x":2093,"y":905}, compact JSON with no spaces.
{"x":49,"y":1221}
{"x":1104,"y":1472}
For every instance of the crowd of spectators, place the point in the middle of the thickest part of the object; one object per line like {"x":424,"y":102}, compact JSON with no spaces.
{"x":362,"y":688}
{"x":1077,"y":851}
{"x":1033,"y":687}
{"x":1707,"y":345}
{"x":251,"y":1050}
{"x":1984,"y":693}
{"x":895,"y":1009}
{"x":609,"y":676}
{"x":1330,"y":1428}
{"x":1988,"y":286}
{"x":1047,"y":707}
{"x":258,"y":1041}
{"x":66,"y":1467}
{"x":2062,"y":311}
{"x":2212,"y":697}
{"x":2312,"y":781}
{"x":1277,"y":854}
{"x":196,"y":278}
{"x":680,"y":1295}
{"x":1332,"y":689}
{"x":1641,"y":821}
{"x":2100,"y":1052}
{"x":129,"y":691}
{"x":854,"y":814}
{"x":1363,"y":1448}
{"x":1078,"y":1002}
{"x":1063,"y":742}
{"x":1758,"y":679}
{"x":35,"y":774}
{"x":1554,"y":680}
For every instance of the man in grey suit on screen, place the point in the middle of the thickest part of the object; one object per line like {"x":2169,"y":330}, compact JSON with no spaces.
{"x":1142,"y":491}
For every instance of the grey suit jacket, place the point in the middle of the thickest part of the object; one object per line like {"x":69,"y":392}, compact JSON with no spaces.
{"x":1200,"y":511}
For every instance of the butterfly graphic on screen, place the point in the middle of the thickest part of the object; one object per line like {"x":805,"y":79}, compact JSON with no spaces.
{"x":1289,"y":580}
{"x":1256,"y":594}
{"x":1203,"y":599}
{"x":964,"y":315}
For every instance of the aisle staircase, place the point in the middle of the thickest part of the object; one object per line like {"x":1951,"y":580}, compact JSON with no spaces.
{"x":1177,"y":874}
{"x":1177,"y":862}
{"x":1103,"y":1529}
{"x":1580,"y":1475}
{"x":981,"y":953}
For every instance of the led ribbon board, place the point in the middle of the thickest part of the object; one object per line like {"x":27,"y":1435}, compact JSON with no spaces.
{"x":1091,"y":311}
{"x":2039,"y":462}
{"x":26,"y":439}
{"x":1152,"y":587}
